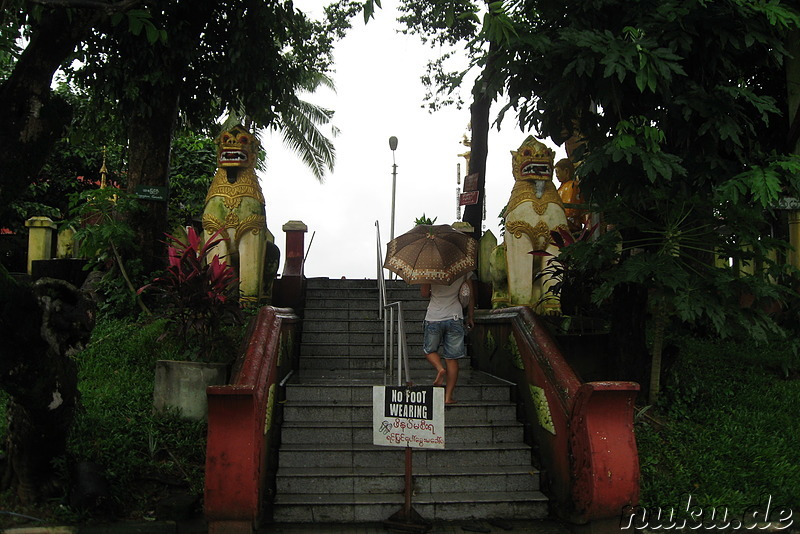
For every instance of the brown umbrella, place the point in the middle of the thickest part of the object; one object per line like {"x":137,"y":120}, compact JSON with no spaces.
{"x":430,"y":254}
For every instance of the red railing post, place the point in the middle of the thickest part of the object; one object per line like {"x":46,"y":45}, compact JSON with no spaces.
{"x":583,"y":431}
{"x":231,"y":484}
{"x":605,"y":465}
{"x":238,"y":428}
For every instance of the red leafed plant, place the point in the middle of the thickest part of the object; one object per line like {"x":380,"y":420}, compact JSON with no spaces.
{"x":197,"y":296}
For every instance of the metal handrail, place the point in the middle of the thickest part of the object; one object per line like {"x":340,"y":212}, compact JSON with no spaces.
{"x":389,"y":336}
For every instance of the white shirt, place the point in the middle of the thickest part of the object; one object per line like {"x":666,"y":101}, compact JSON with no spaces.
{"x":444,"y":302}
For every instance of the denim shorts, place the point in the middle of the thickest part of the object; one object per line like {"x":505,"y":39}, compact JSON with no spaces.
{"x":445,"y":338}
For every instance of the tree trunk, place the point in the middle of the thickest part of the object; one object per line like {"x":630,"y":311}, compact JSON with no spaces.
{"x":150,"y":140}
{"x":482,"y":98}
{"x":479,"y":150}
{"x":32,"y":118}
{"x":628,"y":333}
{"x":43,"y":328}
{"x":659,"y":327}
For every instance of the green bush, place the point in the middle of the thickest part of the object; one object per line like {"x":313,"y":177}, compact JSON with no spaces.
{"x":725,"y":430}
{"x":143,"y":455}
{"x":117,"y":427}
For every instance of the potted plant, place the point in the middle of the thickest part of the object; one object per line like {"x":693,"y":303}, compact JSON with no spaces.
{"x":197,"y":297}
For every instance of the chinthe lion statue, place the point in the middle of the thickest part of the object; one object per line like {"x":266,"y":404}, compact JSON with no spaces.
{"x":235,"y":207}
{"x":532,"y":212}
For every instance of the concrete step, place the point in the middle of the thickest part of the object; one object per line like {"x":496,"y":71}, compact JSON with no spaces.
{"x":356,"y":351}
{"x":320,"y":386}
{"x":369,"y":507}
{"x":463,"y":455}
{"x":351,"y":302}
{"x":349,"y":325}
{"x":315,"y":312}
{"x":336,"y":298}
{"x":359,"y":357}
{"x":329,"y":432}
{"x":440,"y":479}
{"x":370,"y":284}
{"x":488,"y":411}
{"x":355,"y":283}
{"x":313,"y":335}
{"x":337,"y":362}
{"x":329,"y":470}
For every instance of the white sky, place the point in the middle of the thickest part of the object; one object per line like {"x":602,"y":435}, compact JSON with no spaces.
{"x":379,"y":94}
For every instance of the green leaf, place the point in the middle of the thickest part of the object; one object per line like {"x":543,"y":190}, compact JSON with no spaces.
{"x":135,"y":25}
{"x":624,"y":141}
{"x":641,"y":80}
{"x":152,"y":33}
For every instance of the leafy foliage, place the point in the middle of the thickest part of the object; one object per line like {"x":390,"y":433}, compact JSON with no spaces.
{"x":197,"y":296}
{"x":104,"y":237}
{"x":576,"y":270}
{"x":192,"y":166}
{"x":203,"y":52}
{"x":117,"y":427}
{"x":452,"y":28}
{"x":723,"y":433}
{"x":300,"y":126}
{"x":680,"y":110}
{"x":424,"y":220}
{"x":99,"y":228}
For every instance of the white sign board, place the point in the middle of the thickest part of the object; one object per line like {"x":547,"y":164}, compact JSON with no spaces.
{"x":408,"y":416}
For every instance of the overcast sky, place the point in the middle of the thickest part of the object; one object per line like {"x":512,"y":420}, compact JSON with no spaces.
{"x":379,"y":95}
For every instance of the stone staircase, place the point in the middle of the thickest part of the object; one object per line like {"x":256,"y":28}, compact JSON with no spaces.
{"x":329,"y":470}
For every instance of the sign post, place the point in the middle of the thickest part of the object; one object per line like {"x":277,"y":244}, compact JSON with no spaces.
{"x":410,"y":417}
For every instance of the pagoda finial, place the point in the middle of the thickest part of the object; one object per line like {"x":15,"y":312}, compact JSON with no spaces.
{"x":103,"y":171}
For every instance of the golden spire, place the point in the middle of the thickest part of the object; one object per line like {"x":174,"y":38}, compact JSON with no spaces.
{"x":103,"y":171}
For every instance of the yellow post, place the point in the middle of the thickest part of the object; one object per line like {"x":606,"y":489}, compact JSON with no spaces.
{"x":486,"y":247}
{"x":40,"y":239}
{"x":65,"y":243}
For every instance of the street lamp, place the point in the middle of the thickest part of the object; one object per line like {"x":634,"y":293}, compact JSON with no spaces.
{"x":393,"y":146}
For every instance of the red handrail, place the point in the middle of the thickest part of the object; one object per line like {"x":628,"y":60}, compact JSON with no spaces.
{"x":583,"y":431}
{"x":240,"y":417}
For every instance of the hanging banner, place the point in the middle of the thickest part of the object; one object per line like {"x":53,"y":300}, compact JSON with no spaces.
{"x":408,"y":416}
{"x":469,"y":198}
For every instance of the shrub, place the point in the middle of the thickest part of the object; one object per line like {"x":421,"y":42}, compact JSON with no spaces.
{"x":725,"y":430}
{"x":197,"y":296}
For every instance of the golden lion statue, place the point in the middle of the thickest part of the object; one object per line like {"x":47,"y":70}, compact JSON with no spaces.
{"x":235,"y":206}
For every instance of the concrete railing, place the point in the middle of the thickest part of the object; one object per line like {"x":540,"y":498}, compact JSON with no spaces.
{"x":241,"y":433}
{"x":583,"y":432}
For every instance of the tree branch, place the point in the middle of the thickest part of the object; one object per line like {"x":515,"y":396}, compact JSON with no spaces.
{"x":109,"y":8}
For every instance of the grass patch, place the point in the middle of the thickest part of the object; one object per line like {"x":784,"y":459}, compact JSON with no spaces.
{"x":144,"y":456}
{"x":116,"y":382}
{"x":726,"y":429}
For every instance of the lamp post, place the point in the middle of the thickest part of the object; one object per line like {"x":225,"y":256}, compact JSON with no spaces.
{"x":393,"y":146}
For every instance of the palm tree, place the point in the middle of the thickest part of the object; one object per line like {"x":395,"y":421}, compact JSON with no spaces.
{"x":300,"y":127}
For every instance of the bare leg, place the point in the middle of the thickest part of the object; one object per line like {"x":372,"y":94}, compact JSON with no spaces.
{"x":452,"y":378}
{"x":436,"y":362}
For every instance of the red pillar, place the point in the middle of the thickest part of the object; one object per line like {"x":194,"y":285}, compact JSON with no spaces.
{"x":295,"y":248}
